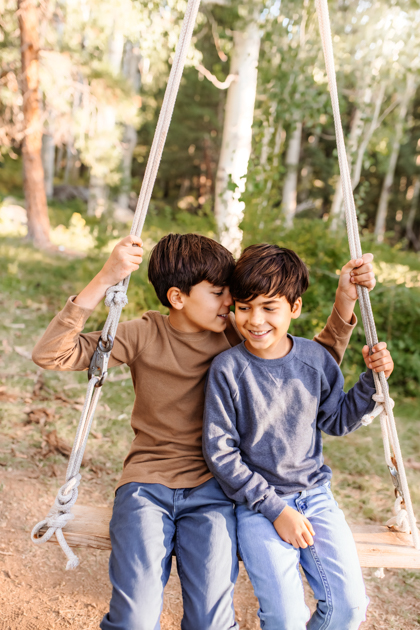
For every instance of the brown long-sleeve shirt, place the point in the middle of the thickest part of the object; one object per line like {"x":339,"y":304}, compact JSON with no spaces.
{"x":168,"y":368}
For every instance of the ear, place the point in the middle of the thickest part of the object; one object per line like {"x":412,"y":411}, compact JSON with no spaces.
{"x":297,"y":308}
{"x":175,"y":298}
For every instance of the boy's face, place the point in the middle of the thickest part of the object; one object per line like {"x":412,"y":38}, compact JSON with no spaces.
{"x":264,"y":323}
{"x":205,"y":308}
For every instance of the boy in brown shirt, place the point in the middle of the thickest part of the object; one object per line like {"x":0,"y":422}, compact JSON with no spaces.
{"x":167,"y":498}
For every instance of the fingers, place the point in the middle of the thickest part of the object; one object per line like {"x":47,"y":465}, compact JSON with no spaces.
{"x":380,"y":360}
{"x":131,"y":240}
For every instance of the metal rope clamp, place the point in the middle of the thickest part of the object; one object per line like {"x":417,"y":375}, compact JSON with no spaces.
{"x":395,"y":476}
{"x":99,"y":362}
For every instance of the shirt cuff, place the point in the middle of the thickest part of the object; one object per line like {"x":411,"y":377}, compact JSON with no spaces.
{"x":340,"y":327}
{"x":272,"y":506}
{"x":73,"y":315}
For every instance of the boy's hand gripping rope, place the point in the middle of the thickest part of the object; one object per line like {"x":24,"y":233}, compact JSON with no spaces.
{"x":404,"y":518}
{"x":116,"y":299}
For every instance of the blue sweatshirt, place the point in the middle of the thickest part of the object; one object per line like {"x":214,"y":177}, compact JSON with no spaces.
{"x":263,"y":420}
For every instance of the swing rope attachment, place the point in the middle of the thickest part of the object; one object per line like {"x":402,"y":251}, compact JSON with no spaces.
{"x":403,"y":519}
{"x":116,"y":299}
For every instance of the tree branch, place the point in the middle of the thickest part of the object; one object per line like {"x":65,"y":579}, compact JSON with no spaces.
{"x":221,"y":85}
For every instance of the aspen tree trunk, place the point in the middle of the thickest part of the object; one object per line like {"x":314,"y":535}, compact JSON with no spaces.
{"x":415,"y":241}
{"x":131,"y":71}
{"x":48,"y":162}
{"x":357,"y":171}
{"x":237,"y":137}
{"x":98,"y":188}
{"x":36,"y":202}
{"x":337,"y":204}
{"x":389,"y":177}
{"x":289,"y":196}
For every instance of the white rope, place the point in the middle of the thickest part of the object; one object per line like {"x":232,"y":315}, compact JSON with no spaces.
{"x":388,"y":426}
{"x":60,"y":513}
{"x":156,"y":150}
{"x":116,"y":299}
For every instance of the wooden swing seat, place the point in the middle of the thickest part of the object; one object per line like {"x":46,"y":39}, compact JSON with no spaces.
{"x":377,"y":546}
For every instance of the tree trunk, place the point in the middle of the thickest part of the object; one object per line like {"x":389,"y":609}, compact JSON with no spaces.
{"x":33,"y":172}
{"x":130,"y":68}
{"x":337,"y":204}
{"x":290,"y":183}
{"x":357,"y":170}
{"x":237,"y":137}
{"x":414,"y":240}
{"x":48,"y":162}
{"x":98,"y":196}
{"x":389,"y":178}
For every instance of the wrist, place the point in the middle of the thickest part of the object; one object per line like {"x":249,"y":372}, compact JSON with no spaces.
{"x":344,"y":305}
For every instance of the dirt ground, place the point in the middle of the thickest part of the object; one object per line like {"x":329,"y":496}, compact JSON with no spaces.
{"x":37,"y":593}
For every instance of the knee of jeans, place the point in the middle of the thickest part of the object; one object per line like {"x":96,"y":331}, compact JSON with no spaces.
{"x":282,"y":616}
{"x":348,"y":615}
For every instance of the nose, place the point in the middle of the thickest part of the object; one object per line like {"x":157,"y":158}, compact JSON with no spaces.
{"x":228,"y":301}
{"x":256,"y":317}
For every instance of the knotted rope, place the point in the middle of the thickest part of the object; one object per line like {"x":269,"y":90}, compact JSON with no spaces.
{"x":116,"y":299}
{"x":387,"y":420}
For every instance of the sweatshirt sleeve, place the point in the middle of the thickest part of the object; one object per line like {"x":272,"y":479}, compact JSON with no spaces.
{"x":336,"y":335}
{"x":221,"y":448}
{"x":341,"y":413}
{"x":64,"y":346}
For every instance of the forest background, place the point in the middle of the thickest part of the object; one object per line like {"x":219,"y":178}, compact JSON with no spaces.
{"x":250,"y":157}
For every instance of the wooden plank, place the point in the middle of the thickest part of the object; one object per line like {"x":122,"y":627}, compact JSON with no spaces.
{"x":377,"y":546}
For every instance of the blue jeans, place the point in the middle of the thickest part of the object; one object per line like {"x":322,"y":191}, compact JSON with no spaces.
{"x":149,"y":521}
{"x":331,"y":566}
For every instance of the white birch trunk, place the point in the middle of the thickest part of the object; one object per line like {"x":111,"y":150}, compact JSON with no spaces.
{"x":98,"y":189}
{"x":290,"y":183}
{"x":130,"y":70}
{"x":389,"y":177}
{"x":48,"y":162}
{"x":237,"y":137}
{"x":412,"y":215}
{"x":356,"y":130}
{"x":357,"y":171}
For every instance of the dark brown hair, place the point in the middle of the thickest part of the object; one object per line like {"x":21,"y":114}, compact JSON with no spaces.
{"x":269,"y":270}
{"x":184,"y":260}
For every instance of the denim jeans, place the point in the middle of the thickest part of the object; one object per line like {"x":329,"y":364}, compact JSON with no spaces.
{"x":149,"y":521}
{"x":331,"y":566}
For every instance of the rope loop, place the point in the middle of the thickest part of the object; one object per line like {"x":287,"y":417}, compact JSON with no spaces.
{"x":378,"y":408}
{"x":58,"y":517}
{"x":399,"y":521}
{"x":116,"y":296}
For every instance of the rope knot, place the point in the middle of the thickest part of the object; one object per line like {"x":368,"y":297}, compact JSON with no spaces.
{"x":116,"y":295}
{"x":400,"y":520}
{"x":378,"y":408}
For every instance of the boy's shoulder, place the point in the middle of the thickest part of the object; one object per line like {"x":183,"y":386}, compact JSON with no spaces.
{"x":231,"y":360}
{"x":312,"y":353}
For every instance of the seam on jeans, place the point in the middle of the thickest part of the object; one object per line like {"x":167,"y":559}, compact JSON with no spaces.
{"x":179,"y":564}
{"x":326,"y":585}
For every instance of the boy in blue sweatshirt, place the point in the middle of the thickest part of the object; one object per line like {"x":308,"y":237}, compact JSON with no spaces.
{"x":267,"y":401}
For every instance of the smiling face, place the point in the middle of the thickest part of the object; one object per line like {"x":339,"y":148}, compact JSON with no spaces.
{"x":264,"y":322}
{"x":205,"y":308}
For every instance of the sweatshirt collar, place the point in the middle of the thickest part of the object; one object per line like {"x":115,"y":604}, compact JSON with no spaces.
{"x":269,"y":362}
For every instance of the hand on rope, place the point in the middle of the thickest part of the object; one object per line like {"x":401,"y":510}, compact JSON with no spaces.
{"x":124,"y":259}
{"x":379,"y":360}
